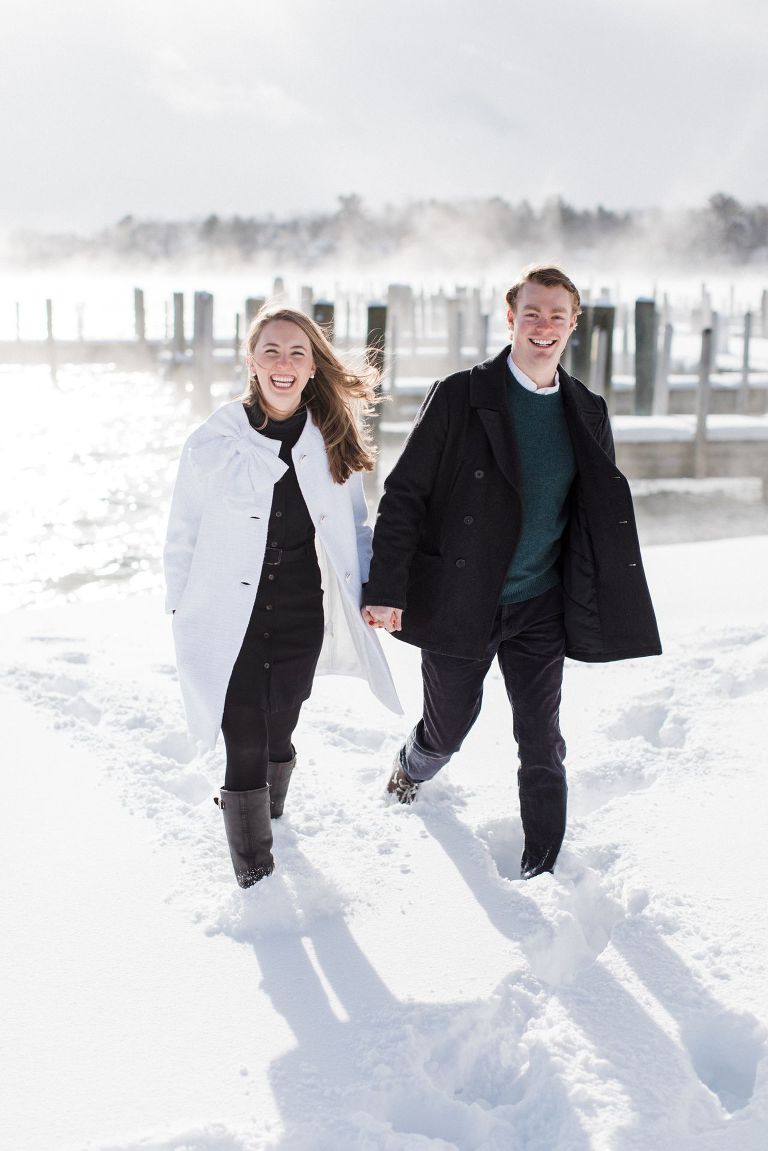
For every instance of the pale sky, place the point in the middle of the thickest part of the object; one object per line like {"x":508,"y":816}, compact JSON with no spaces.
{"x":179,"y":108}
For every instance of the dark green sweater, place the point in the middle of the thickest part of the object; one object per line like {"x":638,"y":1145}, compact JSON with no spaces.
{"x":547,"y":468}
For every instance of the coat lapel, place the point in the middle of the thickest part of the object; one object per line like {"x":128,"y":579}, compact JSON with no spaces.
{"x":488,"y":394}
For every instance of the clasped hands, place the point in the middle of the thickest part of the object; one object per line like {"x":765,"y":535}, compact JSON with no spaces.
{"x":390,"y":618}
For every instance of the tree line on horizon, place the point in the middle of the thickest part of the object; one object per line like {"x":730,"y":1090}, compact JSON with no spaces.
{"x":429,"y":232}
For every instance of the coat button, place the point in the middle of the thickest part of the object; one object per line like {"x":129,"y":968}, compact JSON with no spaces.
{"x":271,"y":575}
{"x":268,"y":607}
{"x":266,"y":635}
{"x":266,"y":665}
{"x":469,"y":519}
{"x":461,"y":563}
{"x":479,"y":474}
{"x":278,"y":515}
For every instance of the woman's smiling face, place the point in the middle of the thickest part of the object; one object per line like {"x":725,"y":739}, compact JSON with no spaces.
{"x":283,"y":363}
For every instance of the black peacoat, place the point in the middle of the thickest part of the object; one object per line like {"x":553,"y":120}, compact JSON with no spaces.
{"x":449,"y":522}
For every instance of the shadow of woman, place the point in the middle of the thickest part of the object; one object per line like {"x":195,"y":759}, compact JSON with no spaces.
{"x":371,"y":1069}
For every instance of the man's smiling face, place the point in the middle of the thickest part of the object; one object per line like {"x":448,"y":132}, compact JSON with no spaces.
{"x":541,"y":323}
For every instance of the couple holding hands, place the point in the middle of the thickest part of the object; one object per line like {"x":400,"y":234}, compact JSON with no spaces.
{"x":505,"y":530}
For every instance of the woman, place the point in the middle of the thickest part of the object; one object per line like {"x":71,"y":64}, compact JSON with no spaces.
{"x":261,"y":482}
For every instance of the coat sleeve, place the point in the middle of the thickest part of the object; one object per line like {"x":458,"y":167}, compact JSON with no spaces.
{"x":183,"y":526}
{"x":363,"y":530}
{"x":404,"y":504}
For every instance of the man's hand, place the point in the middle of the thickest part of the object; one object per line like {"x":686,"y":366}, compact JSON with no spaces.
{"x":390,"y":618}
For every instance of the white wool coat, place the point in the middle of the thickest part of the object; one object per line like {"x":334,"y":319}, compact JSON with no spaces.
{"x":214,"y":550}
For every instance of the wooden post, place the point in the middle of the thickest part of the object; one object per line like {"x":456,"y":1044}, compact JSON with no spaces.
{"x":645,"y":355}
{"x":322,"y":314}
{"x":253,"y":306}
{"x":580,"y":345}
{"x":203,"y":348}
{"x":597,"y":375}
{"x":179,"y":346}
{"x":603,"y":322}
{"x":482,"y":337}
{"x":702,"y":405}
{"x":49,"y":337}
{"x":455,"y":333}
{"x":306,"y":297}
{"x":375,"y":336}
{"x":744,"y":389}
{"x":139,"y":318}
{"x":661,"y":391}
{"x":236,"y":346}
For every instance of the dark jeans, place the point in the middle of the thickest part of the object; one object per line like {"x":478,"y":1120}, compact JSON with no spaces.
{"x":529,"y":640}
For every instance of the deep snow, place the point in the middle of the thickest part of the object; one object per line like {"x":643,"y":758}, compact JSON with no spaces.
{"x":393,"y":986}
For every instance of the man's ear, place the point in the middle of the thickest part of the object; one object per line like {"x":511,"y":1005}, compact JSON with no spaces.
{"x":510,"y":319}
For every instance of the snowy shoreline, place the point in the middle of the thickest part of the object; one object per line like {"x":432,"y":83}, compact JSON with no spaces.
{"x":393,"y":986}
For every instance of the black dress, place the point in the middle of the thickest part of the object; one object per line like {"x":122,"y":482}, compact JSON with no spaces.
{"x":281,"y":646}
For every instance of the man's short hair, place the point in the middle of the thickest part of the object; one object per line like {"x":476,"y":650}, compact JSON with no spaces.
{"x":549,"y":276}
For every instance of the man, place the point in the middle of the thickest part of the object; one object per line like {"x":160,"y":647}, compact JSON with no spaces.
{"x":505,"y":530}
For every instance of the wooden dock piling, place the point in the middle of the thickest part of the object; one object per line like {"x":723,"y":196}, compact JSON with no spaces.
{"x":139,"y":316}
{"x":645,"y":355}
{"x":702,"y":404}
{"x":179,"y":345}
{"x":743,"y":404}
{"x":323,"y":314}
{"x":375,"y":335}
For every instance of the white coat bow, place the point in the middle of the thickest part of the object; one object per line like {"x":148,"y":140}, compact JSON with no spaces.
{"x":250,"y":461}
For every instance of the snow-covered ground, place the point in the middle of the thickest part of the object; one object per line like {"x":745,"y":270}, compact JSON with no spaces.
{"x":393,"y":986}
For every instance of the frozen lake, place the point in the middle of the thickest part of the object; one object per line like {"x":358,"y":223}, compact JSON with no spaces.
{"x":87,"y":465}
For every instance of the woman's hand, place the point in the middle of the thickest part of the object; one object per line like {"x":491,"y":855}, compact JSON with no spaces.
{"x":390,"y":618}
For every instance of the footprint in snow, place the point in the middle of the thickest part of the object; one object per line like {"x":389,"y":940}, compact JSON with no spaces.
{"x":580,"y":918}
{"x":175,"y":745}
{"x":653,"y":722}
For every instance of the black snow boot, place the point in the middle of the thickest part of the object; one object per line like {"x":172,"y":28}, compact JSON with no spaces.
{"x":249,"y":833}
{"x":278,"y":778}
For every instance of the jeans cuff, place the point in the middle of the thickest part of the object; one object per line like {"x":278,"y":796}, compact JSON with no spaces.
{"x":418,"y":763}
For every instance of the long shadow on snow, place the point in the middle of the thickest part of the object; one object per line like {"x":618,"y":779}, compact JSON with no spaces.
{"x":393,"y":1071}
{"x":718,"y":1048}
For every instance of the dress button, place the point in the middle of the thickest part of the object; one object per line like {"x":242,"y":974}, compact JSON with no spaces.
{"x":479,"y":474}
{"x":469,"y":519}
{"x":278,"y":515}
{"x":347,"y":576}
{"x":461,"y":563}
{"x":323,"y":518}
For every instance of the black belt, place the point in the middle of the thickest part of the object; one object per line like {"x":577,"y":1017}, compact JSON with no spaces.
{"x":275,"y":556}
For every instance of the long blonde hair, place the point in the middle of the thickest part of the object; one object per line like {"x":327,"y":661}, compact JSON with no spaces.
{"x":339,"y":399}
